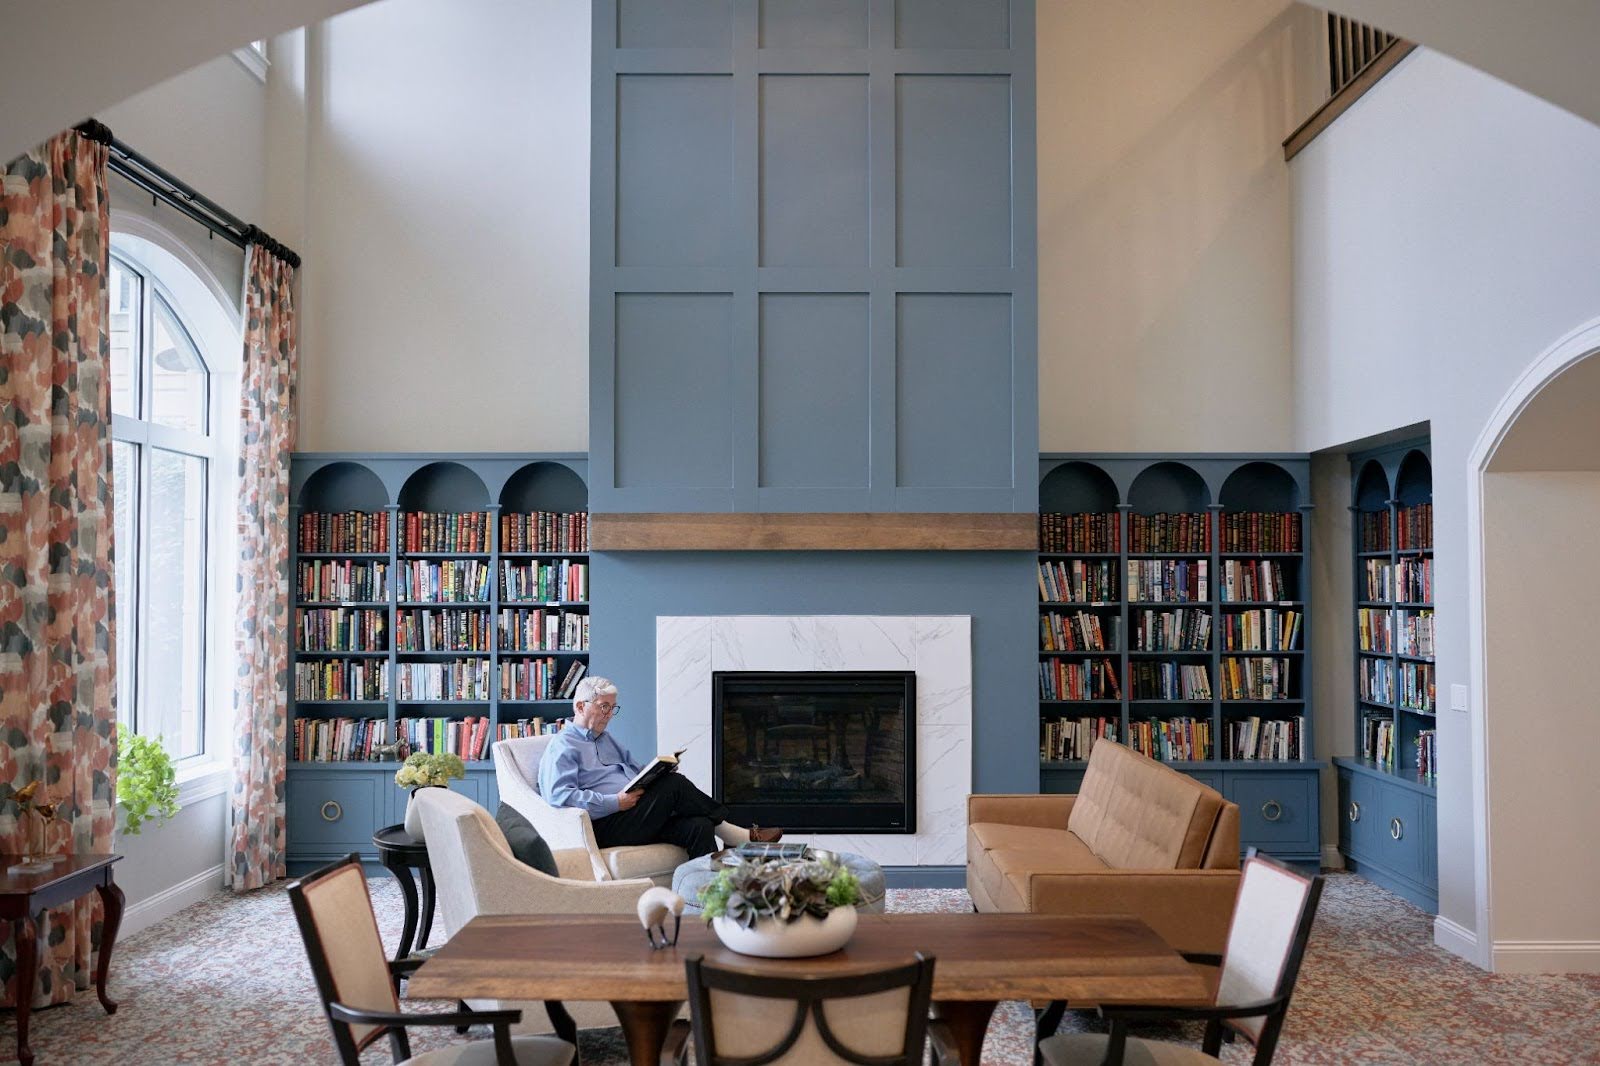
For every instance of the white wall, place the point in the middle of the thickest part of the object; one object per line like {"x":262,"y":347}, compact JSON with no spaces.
{"x":1164,"y":223}
{"x":447,"y":233}
{"x":1444,"y":236}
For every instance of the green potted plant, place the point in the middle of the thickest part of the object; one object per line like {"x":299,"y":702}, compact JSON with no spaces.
{"x":782,"y":910}
{"x":426,"y":770}
{"x":147,"y":785}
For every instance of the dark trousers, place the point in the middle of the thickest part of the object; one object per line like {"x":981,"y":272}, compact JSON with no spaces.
{"x":671,"y":811}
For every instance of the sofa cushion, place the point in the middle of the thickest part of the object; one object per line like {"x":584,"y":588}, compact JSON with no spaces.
{"x":525,"y":842}
{"x":1139,"y":815}
{"x":990,"y":836}
{"x":643,"y":860}
{"x":1017,"y":867}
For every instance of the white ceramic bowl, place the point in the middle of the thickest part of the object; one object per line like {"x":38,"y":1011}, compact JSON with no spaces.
{"x":789,"y":940}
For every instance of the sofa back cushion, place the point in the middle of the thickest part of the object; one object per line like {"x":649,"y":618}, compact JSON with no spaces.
{"x":1136,"y":814}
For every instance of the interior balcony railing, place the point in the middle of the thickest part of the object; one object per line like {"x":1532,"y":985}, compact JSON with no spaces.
{"x":1358,"y":57}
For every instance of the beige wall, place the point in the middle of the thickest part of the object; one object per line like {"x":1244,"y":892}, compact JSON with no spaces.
{"x":1164,"y":221}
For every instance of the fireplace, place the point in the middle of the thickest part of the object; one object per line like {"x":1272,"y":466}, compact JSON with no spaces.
{"x":816,"y":752}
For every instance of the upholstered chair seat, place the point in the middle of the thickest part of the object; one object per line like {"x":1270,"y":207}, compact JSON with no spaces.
{"x":529,"y":1051}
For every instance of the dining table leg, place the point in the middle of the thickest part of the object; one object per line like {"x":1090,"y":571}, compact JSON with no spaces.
{"x":644,"y":1026}
{"x":968,"y":1021}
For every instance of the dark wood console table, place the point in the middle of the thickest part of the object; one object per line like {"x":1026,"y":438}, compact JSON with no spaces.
{"x":400,"y":854}
{"x":24,"y":897}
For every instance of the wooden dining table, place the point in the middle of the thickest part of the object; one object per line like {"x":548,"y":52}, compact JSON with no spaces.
{"x":981,"y":960}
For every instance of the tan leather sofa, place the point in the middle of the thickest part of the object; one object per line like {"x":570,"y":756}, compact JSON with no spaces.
{"x":1140,"y":838}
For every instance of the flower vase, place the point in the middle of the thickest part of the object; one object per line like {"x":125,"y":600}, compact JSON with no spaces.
{"x":413,"y":820}
{"x":770,"y":938}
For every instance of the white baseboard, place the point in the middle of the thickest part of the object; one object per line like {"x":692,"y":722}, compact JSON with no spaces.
{"x":170,"y":901}
{"x":1457,"y":939}
{"x":1332,"y":857}
{"x":1547,"y":956}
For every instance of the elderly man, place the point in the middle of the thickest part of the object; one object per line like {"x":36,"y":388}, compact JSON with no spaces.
{"x":586,"y":767}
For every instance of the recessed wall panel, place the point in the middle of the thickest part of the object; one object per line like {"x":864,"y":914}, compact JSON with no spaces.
{"x":674,"y":23}
{"x":953,"y":23}
{"x":953,"y":173}
{"x":953,"y":390}
{"x":813,"y":23}
{"x":673,"y":390}
{"x":674,"y":170}
{"x":814,"y":398}
{"x":814,"y":169}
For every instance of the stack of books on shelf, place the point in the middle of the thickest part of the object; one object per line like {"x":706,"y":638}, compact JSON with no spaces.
{"x":1374,"y":531}
{"x":541,"y":630}
{"x":528,"y":727}
{"x":1093,"y":679}
{"x":1092,"y":533}
{"x":1255,"y":678}
{"x":1263,"y":630}
{"x":1258,"y":581}
{"x":442,"y":630}
{"x":357,"y":532}
{"x":329,"y":680}
{"x":452,"y":581}
{"x":540,"y":679}
{"x":1171,"y":739}
{"x":1170,"y":681}
{"x":1270,"y":739}
{"x":1186,"y":629}
{"x":1427,"y":753}
{"x":562,"y":579}
{"x":338,"y":739}
{"x":341,"y":629}
{"x":1376,"y":627}
{"x":463,"y":679}
{"x":428,"y":532}
{"x":1377,"y":740}
{"x":1077,"y":581}
{"x":1170,"y":533}
{"x":1413,"y":580}
{"x":1416,"y":687}
{"x":467,"y":737}
{"x":1416,"y":637}
{"x":1167,"y":580}
{"x":342,"y":581}
{"x":1414,"y":527}
{"x":1376,"y":681}
{"x":1078,"y":631}
{"x":545,"y":531}
{"x":1380,"y":581}
{"x":1261,"y":532}
{"x":1071,"y":739}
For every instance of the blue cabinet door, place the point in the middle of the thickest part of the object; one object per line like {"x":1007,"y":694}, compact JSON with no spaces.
{"x":1430,"y":842}
{"x":1400,"y":830}
{"x":1277,"y":811}
{"x":1362,"y":816}
{"x":332,"y":812}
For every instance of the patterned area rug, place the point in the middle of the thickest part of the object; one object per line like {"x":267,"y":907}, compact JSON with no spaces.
{"x":226,"y":981}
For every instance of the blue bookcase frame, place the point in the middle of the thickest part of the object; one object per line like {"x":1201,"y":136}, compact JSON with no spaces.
{"x":1279,"y":801}
{"x":333,"y":808}
{"x":1388,"y":812}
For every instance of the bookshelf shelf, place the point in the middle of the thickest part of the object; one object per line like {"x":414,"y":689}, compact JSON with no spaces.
{"x":1242,"y":518}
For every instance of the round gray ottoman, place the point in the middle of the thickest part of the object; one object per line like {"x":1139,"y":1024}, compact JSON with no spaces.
{"x":689,"y":878}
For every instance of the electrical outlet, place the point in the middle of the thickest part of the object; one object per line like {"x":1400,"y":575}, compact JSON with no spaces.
{"x":1458,"y":697}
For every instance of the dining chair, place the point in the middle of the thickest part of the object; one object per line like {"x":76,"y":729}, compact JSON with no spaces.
{"x":356,"y":983}
{"x":1266,"y":941}
{"x":878,"y":1018}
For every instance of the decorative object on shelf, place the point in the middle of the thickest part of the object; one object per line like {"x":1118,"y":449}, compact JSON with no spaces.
{"x":36,"y":860}
{"x":396,"y":752}
{"x":147,"y":786}
{"x":426,"y":770}
{"x":653,"y":908}
{"x":782,"y":910}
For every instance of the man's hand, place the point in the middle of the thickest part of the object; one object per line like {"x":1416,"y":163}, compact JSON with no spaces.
{"x":626,"y":801}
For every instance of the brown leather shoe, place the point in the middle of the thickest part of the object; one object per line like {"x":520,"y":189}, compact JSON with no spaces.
{"x":767,"y":835}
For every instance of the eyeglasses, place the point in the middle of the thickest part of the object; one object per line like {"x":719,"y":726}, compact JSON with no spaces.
{"x":610,"y":712}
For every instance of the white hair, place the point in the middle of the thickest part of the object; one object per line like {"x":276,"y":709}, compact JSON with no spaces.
{"x":593,"y":686}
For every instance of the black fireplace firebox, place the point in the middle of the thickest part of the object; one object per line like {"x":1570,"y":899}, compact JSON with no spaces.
{"x":816,"y":752}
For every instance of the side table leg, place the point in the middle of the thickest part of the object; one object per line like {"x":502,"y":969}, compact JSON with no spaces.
{"x":112,"y":899}
{"x":408,"y":889}
{"x":968,"y":1022}
{"x":427,"y":907}
{"x":24,"y":935}
{"x":644,"y":1027}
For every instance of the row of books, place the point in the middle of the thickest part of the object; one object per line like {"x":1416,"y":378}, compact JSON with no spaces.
{"x":1377,"y":740}
{"x":1168,"y":580}
{"x":450,"y":581}
{"x":1270,"y":629}
{"x":467,"y":737}
{"x":1412,"y":686}
{"x":1373,"y":531}
{"x":529,"y":727}
{"x":1265,"y":739}
{"x":1414,"y":527}
{"x":1416,"y":633}
{"x":337,"y":739}
{"x":1185,"y":629}
{"x":539,"y":679}
{"x":1077,"y":581}
{"x":443,"y":630}
{"x":1166,"y":532}
{"x":1413,"y":580}
{"x":1378,"y":582}
{"x":1417,"y":686}
{"x":1079,"y":631}
{"x":354,"y":739}
{"x":1071,"y":739}
{"x":461,"y":679}
{"x":345,"y":531}
{"x":544,"y":630}
{"x":1375,"y":681}
{"x":341,"y":581}
{"x":1085,"y":532}
{"x":1256,"y":678}
{"x":341,"y":629}
{"x":1258,"y":531}
{"x":449,"y":531}
{"x":545,"y":531}
{"x":1427,"y":753}
{"x":1254,"y":581}
{"x":1375,"y":629}
{"x":1095,"y":679}
{"x":1169,"y":681}
{"x":341,"y":679}
{"x":1171,"y":739}
{"x":563,"y":579}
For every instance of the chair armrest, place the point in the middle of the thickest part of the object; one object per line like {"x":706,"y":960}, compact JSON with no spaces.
{"x":1189,"y":909}
{"x":505,"y":886}
{"x":1045,"y":812}
{"x":341,"y":1013}
{"x":675,"y":1050}
{"x":1141,"y":1014}
{"x":405,"y":967}
{"x":574,"y":864}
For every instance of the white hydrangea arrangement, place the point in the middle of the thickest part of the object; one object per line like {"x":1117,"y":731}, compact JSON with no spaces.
{"x":423,"y":769}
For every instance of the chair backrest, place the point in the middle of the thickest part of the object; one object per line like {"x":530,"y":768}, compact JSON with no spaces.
{"x":1272,"y":919}
{"x":459,"y":833}
{"x":521,"y":756}
{"x":341,"y":936}
{"x":878,"y":1018}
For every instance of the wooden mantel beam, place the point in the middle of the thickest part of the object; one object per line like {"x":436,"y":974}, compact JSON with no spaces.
{"x":814,"y":532}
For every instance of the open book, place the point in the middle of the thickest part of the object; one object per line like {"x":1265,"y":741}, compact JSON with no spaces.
{"x":659,"y":767}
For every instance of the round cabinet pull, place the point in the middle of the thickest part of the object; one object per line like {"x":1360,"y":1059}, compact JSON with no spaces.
{"x":1272,"y":810}
{"x":1355,"y":811}
{"x":337,"y":811}
{"x":1396,"y":830}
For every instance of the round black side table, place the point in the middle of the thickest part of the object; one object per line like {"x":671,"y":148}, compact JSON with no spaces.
{"x":400,"y":855}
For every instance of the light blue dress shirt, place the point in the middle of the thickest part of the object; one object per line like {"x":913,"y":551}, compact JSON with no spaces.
{"x":585,"y":769}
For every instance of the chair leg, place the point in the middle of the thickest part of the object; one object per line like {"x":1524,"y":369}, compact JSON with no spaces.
{"x":461,"y":1004}
{"x":1045,"y":1026}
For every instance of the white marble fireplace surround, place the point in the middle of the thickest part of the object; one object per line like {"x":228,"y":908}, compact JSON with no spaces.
{"x":937,"y":647}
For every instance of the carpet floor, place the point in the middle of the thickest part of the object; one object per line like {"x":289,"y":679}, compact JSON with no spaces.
{"x":226,"y":981}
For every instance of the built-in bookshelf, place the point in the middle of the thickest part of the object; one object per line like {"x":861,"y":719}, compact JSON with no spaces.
{"x":441,"y":602}
{"x":1173,"y":618}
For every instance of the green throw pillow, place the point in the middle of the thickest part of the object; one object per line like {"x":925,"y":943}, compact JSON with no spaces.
{"x":526,"y":843}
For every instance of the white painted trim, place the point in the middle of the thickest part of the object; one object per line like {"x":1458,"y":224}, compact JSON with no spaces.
{"x":1455,"y":938}
{"x":1547,"y":956}
{"x":1332,"y":857}
{"x":253,"y":61}
{"x":1558,"y":358}
{"x":170,"y":901}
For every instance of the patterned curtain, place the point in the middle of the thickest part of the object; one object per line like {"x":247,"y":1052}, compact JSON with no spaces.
{"x":261,"y":637}
{"x":56,"y":613}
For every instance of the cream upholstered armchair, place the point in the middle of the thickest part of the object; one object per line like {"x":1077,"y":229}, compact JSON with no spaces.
{"x":516,"y":772}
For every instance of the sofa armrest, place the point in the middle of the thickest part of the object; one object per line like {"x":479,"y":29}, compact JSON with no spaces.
{"x":1189,"y":909}
{"x":1045,"y":812}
